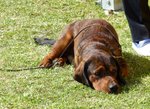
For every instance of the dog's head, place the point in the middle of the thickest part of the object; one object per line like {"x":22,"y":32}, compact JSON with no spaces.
{"x":102,"y":73}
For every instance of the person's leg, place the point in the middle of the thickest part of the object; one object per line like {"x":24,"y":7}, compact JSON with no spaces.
{"x":145,"y":12}
{"x":138,"y":16}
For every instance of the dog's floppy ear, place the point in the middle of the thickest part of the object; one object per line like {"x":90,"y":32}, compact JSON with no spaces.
{"x":81,"y":74}
{"x":123,"y":70}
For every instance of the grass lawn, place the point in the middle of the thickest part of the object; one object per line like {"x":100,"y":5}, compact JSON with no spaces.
{"x":21,"y":21}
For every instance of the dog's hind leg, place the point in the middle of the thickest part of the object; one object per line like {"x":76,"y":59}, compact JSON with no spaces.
{"x":60,"y":46}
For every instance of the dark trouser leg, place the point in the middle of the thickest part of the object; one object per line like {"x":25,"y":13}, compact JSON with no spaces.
{"x":138,"y":16}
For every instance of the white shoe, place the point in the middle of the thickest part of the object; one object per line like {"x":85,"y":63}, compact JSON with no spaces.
{"x":142,"y":48}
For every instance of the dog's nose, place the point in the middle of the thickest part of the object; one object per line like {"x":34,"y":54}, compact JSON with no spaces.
{"x":113,"y":88}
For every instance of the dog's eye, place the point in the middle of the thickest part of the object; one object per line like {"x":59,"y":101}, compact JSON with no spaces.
{"x":99,"y":71}
{"x":99,"y":74}
{"x":113,"y":72}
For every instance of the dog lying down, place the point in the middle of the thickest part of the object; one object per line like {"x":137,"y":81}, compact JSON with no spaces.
{"x":93,"y":48}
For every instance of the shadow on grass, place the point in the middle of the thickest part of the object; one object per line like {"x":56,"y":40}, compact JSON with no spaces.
{"x":139,"y":67}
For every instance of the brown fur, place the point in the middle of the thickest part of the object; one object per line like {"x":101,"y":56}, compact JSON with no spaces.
{"x":95,"y":53}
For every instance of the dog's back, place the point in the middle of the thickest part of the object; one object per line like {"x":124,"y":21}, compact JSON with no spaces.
{"x":95,"y":35}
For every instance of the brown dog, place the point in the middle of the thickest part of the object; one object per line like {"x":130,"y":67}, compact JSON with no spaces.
{"x":93,"y":47}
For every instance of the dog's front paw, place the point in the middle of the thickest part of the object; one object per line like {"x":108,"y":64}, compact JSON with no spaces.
{"x":46,"y":63}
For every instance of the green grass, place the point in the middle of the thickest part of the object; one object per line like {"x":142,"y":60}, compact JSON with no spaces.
{"x":21,"y":21}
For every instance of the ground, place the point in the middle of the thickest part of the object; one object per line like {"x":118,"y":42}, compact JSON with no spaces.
{"x":22,"y":20}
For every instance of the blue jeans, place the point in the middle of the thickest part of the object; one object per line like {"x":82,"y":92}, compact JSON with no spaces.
{"x":138,"y":16}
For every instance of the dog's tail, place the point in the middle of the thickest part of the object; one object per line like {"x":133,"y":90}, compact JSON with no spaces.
{"x":44,"y":41}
